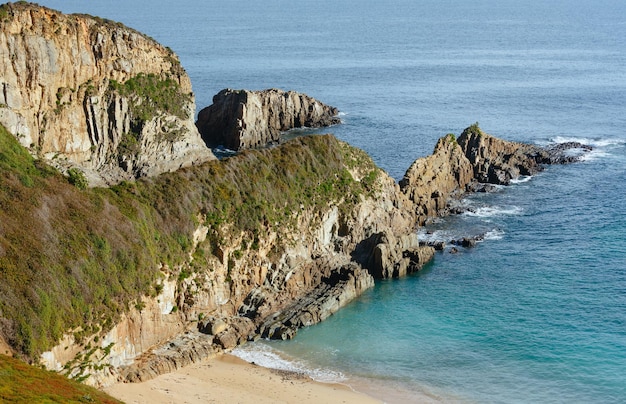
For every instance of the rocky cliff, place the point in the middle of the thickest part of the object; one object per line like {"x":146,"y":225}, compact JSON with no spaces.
{"x":258,"y":244}
{"x":85,"y":92}
{"x":242,"y":119}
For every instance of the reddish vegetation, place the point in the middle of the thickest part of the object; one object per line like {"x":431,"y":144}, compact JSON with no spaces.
{"x":20,"y":382}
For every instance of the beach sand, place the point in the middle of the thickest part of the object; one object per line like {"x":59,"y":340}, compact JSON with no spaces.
{"x":228,"y":379}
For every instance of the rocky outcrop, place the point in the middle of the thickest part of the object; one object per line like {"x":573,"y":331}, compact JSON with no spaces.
{"x":431,"y":181}
{"x":497,"y":161}
{"x":471,"y":163}
{"x":185,"y":349}
{"x":89,"y":93}
{"x":337,"y":288}
{"x":242,"y":119}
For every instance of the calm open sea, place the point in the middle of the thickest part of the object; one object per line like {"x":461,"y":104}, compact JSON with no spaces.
{"x":536,"y":312}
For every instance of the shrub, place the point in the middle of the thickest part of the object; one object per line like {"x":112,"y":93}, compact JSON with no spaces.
{"x":77,"y":178}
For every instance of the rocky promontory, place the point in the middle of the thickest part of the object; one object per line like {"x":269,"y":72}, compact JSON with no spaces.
{"x":469,"y":162}
{"x":242,"y":119}
{"x":92,"y":94}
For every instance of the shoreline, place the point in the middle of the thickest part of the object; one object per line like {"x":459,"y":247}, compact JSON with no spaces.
{"x":227,"y":378}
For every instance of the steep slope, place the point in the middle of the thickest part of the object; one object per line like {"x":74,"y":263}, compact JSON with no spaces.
{"x":86,"y":92}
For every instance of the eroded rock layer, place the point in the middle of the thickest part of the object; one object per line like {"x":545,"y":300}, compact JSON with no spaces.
{"x":242,"y":119}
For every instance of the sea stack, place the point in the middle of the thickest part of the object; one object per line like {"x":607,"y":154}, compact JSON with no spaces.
{"x":242,"y":119}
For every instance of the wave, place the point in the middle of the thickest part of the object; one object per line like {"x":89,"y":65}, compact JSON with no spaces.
{"x":494,"y":234}
{"x":491,"y":211}
{"x":600,"y":145}
{"x":595,"y":142}
{"x":521,"y":179}
{"x":263,"y":355}
{"x":594,"y":154}
{"x":430,"y":236}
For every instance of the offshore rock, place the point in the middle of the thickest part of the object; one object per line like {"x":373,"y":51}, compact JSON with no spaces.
{"x":497,"y":161}
{"x":242,"y":119}
{"x":84,"y":92}
{"x":568,"y":152}
{"x":475,"y":162}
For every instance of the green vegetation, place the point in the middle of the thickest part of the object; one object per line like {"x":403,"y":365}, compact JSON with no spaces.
{"x":71,"y":258}
{"x":474,"y":129}
{"x":77,"y":178}
{"x":4,"y":13}
{"x":149,"y":95}
{"x":22,"y":383}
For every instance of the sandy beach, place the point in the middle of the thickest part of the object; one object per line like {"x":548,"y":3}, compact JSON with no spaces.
{"x":228,"y":379}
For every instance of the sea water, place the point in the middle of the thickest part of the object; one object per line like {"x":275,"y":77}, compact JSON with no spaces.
{"x":537,"y":311}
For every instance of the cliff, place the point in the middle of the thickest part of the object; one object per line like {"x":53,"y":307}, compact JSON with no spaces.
{"x":145,"y":277}
{"x":255,"y":245}
{"x":84,"y":92}
{"x":242,"y":119}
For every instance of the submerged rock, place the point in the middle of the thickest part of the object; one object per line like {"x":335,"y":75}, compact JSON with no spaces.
{"x":242,"y":119}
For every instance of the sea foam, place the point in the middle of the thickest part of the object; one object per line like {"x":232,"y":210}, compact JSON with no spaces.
{"x":263,"y":355}
{"x":521,"y":179}
{"x":492,"y":211}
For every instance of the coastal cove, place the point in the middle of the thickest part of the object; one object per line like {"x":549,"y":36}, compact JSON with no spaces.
{"x":524,"y":302}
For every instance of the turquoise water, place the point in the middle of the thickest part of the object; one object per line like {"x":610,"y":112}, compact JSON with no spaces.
{"x":536,"y":312}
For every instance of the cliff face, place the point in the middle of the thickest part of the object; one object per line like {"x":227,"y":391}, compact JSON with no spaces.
{"x":247,"y":119}
{"x":82,"y":91}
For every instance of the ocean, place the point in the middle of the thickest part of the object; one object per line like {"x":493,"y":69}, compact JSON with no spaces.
{"x":535,"y":313}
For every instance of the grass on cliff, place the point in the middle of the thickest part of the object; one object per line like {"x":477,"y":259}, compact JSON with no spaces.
{"x":22,"y":383}
{"x":74,"y":259}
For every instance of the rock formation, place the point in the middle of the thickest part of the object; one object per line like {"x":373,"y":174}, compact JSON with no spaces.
{"x":241,"y":119}
{"x":466,"y":164}
{"x":86,"y":92}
